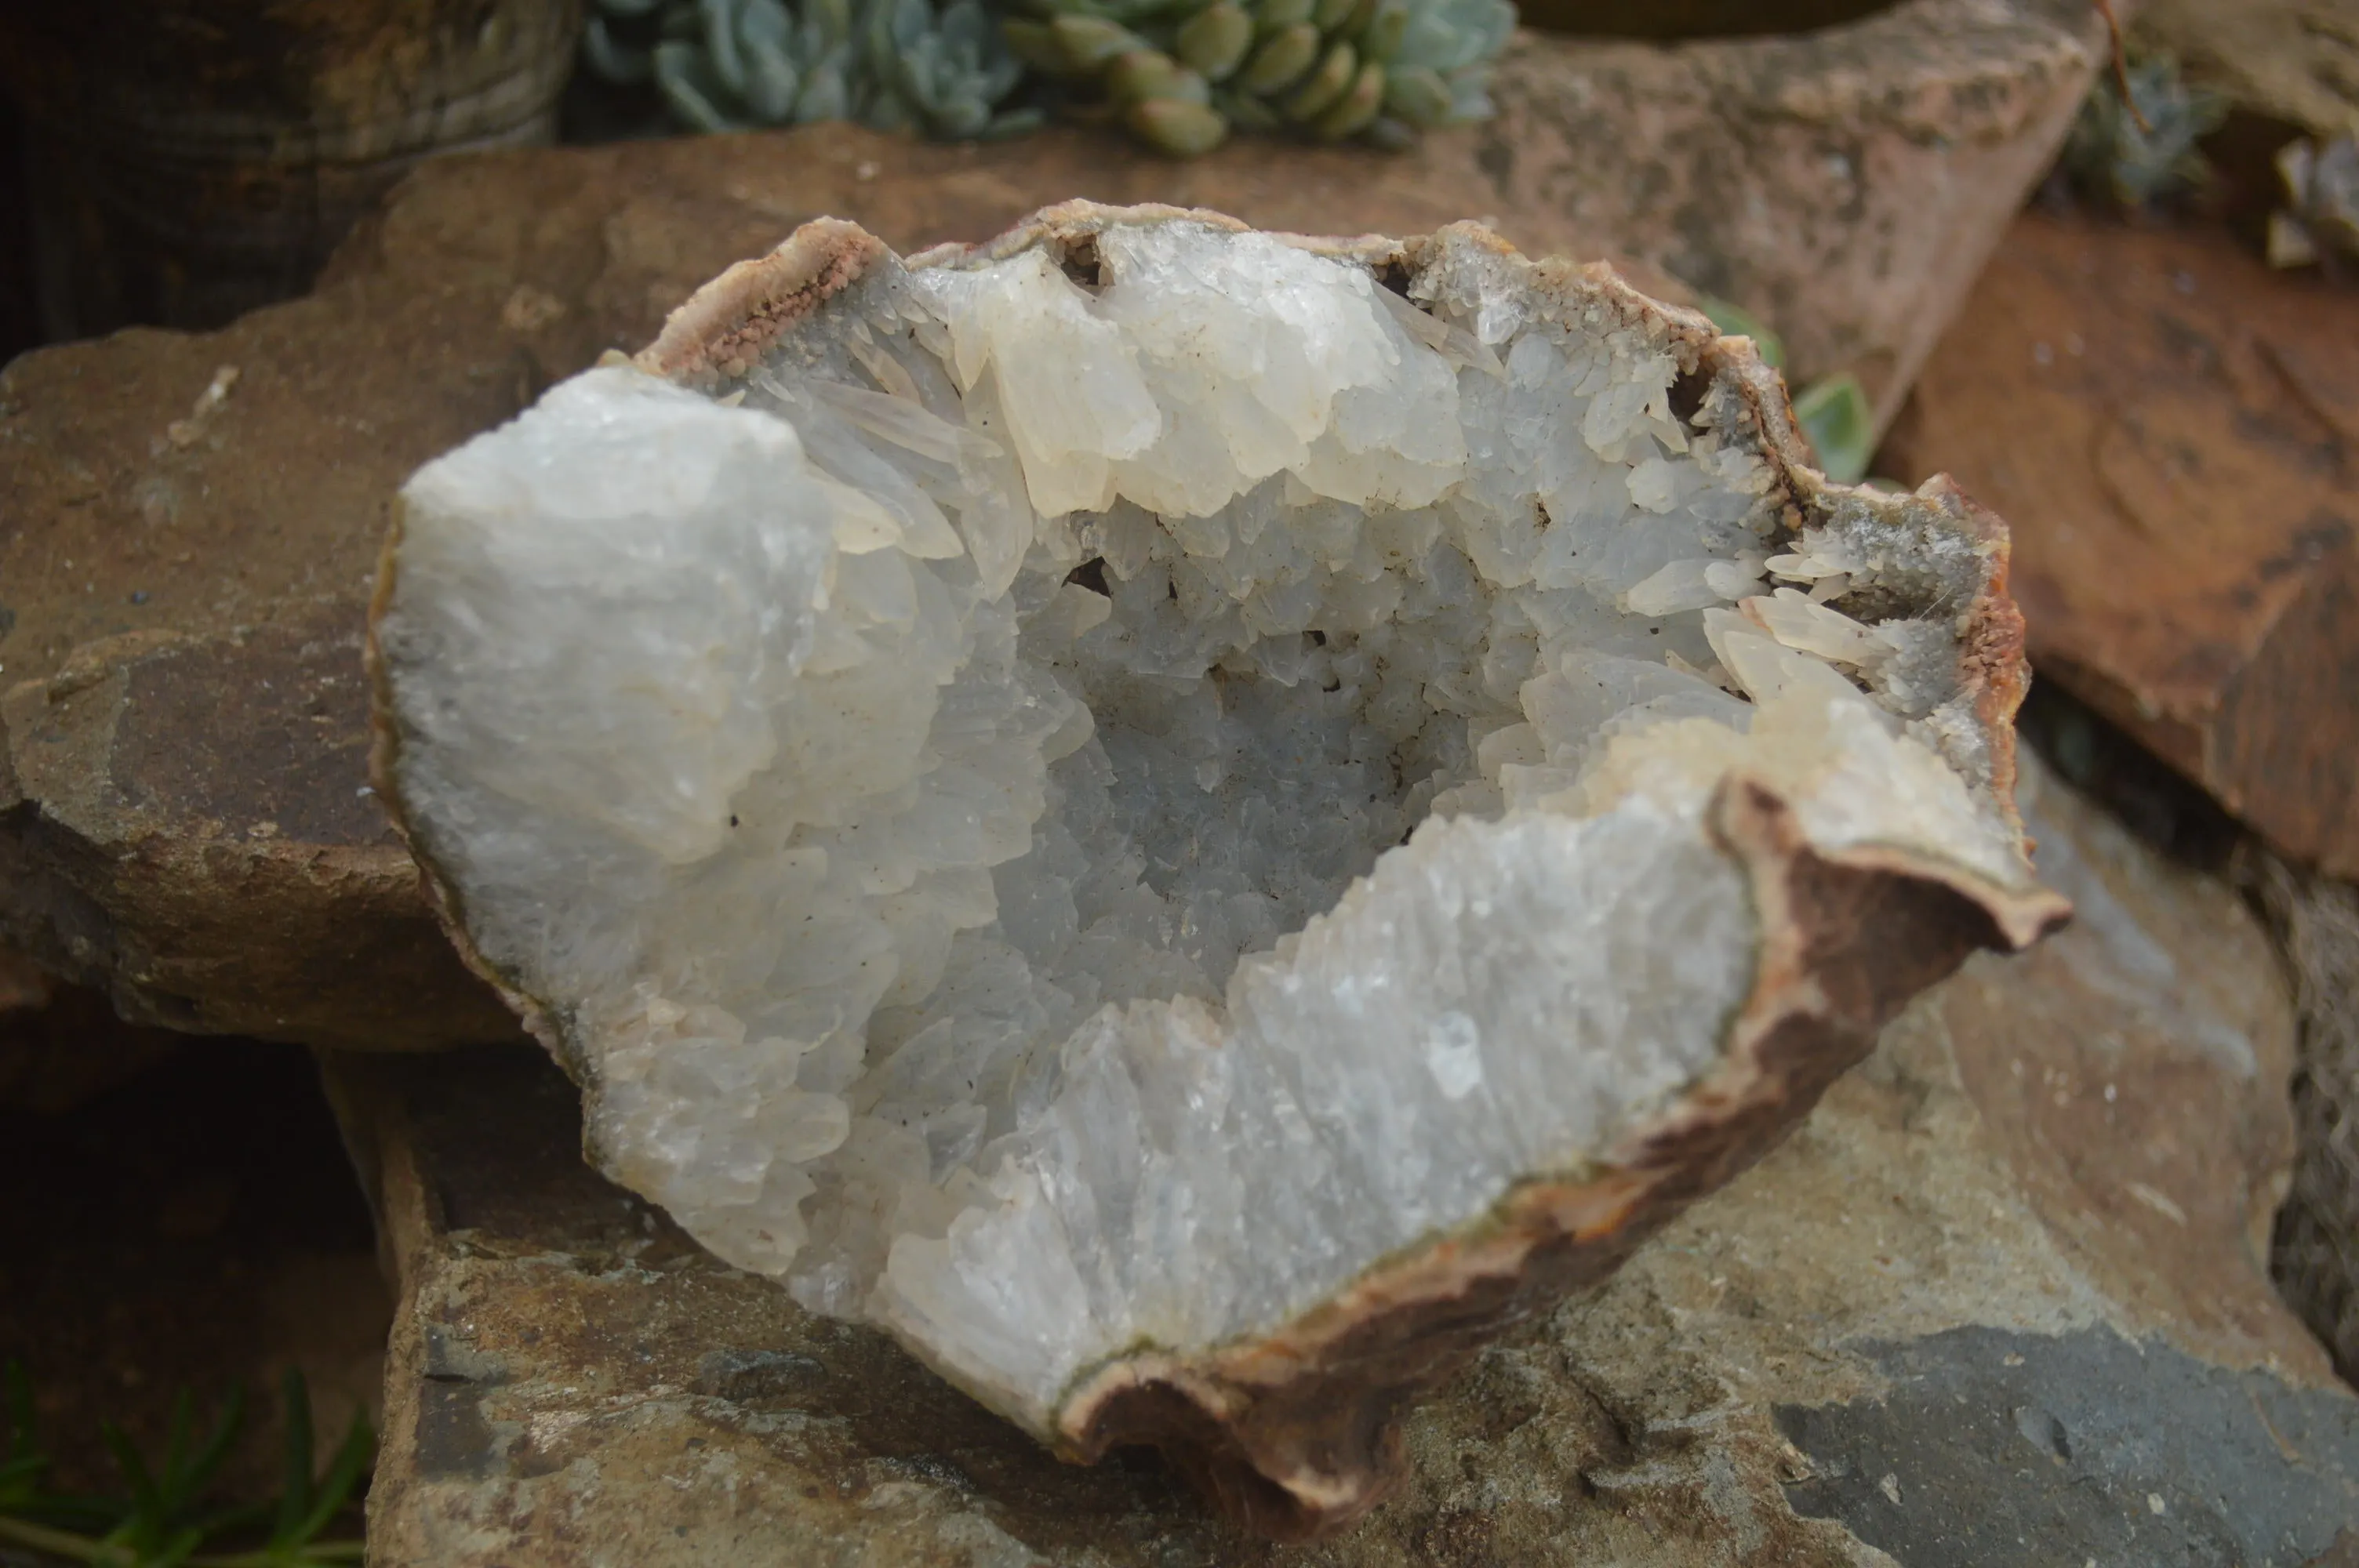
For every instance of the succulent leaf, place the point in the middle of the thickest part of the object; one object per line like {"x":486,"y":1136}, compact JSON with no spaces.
{"x":1274,"y":15}
{"x":1417,"y":94}
{"x":1351,"y":115}
{"x":1282,"y":59}
{"x":686,"y":78}
{"x":1151,"y":74}
{"x":1176,"y":126}
{"x":1214,"y":40}
{"x":1835,"y":415}
{"x":1387,"y":25}
{"x":1378,"y":69}
{"x":2139,"y":149}
{"x":611,"y":59}
{"x":1092,"y":42}
{"x":1326,"y":84}
{"x":896,"y":65}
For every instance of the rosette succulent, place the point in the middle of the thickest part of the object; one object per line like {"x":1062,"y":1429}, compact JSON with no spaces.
{"x":2135,"y":140}
{"x":1182,"y":73}
{"x":1193,"y":822}
{"x":892,"y":65}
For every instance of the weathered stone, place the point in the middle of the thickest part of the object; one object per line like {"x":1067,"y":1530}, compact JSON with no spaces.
{"x":2294,"y":60}
{"x":2317,"y":1255}
{"x":2172,"y":431}
{"x":196,"y":520}
{"x":22,"y":983}
{"x":60,"y":1046}
{"x":218,"y":499}
{"x":2008,"y":1282}
{"x":1844,"y":183}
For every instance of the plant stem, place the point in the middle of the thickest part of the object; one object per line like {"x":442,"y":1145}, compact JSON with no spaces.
{"x":60,"y":1542}
{"x":322,"y":1550}
{"x":82,"y":1549}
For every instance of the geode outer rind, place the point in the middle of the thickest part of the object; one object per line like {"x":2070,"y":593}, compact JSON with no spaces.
{"x":1297,"y":1433}
{"x":1291,"y":1431}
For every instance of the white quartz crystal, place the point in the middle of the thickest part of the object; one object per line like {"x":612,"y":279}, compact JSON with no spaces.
{"x":1064,"y":818}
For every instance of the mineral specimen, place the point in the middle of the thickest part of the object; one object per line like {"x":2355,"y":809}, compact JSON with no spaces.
{"x":1193,"y":820}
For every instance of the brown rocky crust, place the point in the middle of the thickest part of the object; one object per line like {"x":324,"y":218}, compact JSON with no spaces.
{"x":1296,"y":1434}
{"x":724,"y":328}
{"x":2172,"y":430}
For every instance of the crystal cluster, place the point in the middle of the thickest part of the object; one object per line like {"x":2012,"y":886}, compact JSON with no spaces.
{"x":1072,"y":799}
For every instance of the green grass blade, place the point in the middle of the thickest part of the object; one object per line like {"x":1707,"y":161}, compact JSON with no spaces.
{"x":343,"y":1473}
{"x":146,"y":1505}
{"x":207,"y":1462}
{"x":295,"y":1494}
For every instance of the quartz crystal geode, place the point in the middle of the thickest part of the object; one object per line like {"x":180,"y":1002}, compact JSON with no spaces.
{"x":1193,"y":821}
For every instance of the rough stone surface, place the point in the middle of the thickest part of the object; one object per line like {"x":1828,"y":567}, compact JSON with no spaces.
{"x":2295,"y":61}
{"x":2172,"y":431}
{"x":1845,"y":183}
{"x":2317,"y":1256}
{"x":2052,"y":1170}
{"x":183,"y":744}
{"x":198,"y":490}
{"x":62,"y":1046}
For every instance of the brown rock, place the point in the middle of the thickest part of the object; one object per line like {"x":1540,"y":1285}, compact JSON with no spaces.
{"x":1844,"y":183}
{"x":196,"y":520}
{"x":1919,"y":1329}
{"x":2172,"y":431}
{"x":22,"y":983}
{"x":62,"y":1046}
{"x":2317,"y":1254}
{"x":2294,"y":60}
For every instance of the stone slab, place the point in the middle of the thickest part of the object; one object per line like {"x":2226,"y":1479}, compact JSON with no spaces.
{"x":1842,"y":183}
{"x":195,"y":520}
{"x":2172,"y":429}
{"x":2292,"y":60}
{"x":2050,"y":1172}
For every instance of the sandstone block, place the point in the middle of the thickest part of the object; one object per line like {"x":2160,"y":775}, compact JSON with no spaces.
{"x":2172,"y":429}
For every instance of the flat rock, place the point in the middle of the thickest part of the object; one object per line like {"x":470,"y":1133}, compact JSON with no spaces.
{"x":1845,"y":184}
{"x":195,"y":519}
{"x":184,"y":815}
{"x":2005,"y":1287}
{"x":2317,"y":1258}
{"x":2295,"y":61}
{"x":2171,"y":430}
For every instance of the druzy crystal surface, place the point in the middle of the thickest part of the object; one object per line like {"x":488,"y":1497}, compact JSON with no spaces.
{"x":1071,"y":799}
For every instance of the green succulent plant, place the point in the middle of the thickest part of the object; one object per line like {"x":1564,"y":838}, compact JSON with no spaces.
{"x":2135,"y":140}
{"x":1833,"y":413}
{"x":1182,"y":73}
{"x":163,"y":1518}
{"x":892,"y":65}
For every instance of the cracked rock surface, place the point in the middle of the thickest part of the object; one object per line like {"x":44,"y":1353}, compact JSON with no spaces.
{"x":1902,"y":1337}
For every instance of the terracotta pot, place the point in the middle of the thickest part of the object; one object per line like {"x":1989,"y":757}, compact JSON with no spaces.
{"x":188,"y":160}
{"x":1679,"y":20}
